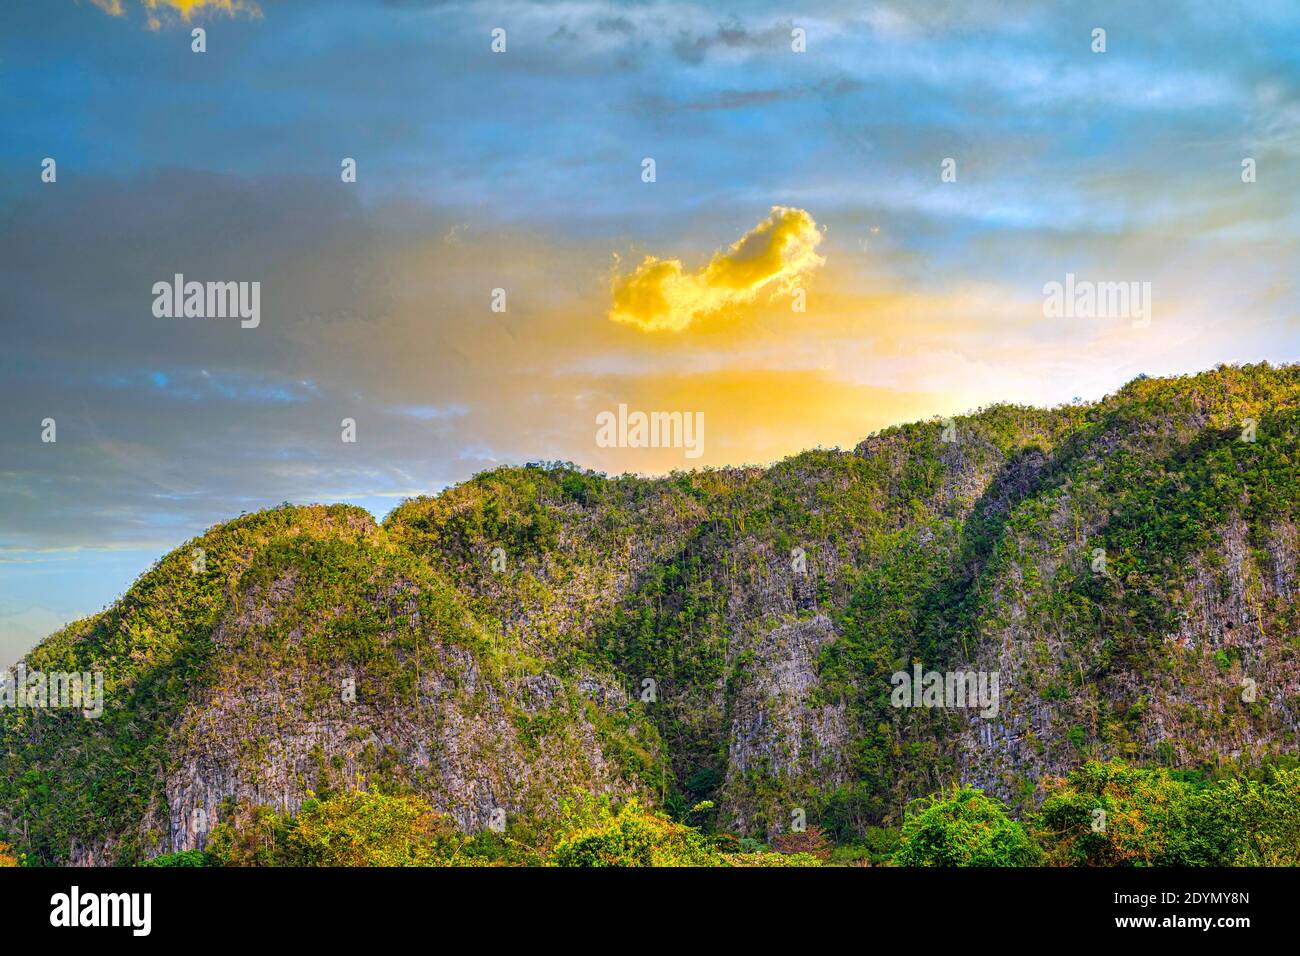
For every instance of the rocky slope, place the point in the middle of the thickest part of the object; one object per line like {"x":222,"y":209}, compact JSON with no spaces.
{"x":1128,"y":569}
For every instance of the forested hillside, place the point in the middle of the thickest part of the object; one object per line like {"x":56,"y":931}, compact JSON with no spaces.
{"x":718,"y":645}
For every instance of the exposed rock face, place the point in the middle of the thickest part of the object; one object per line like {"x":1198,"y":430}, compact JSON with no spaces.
{"x":466,"y":757}
{"x":1188,"y":706}
{"x":777,"y":727}
{"x":461,"y":741}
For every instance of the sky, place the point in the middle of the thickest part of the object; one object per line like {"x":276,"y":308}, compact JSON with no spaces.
{"x":851,"y":219}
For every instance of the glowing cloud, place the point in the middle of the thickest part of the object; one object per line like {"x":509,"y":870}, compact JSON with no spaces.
{"x":185,"y":8}
{"x":659,"y":296}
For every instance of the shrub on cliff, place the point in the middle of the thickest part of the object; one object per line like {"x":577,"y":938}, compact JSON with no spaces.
{"x":1112,"y":814}
{"x":595,"y":834}
{"x":363,"y":828}
{"x":963,"y":827}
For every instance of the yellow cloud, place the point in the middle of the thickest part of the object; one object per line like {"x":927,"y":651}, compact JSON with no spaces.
{"x":774,"y":256}
{"x":186,"y":8}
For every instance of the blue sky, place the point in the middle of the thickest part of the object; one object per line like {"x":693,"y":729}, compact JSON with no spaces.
{"x":522,"y":170}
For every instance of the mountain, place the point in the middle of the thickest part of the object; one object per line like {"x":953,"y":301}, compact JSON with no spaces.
{"x":1127,"y":570}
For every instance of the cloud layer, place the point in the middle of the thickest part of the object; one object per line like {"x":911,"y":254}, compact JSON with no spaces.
{"x":519,"y":171}
{"x":773,"y":257}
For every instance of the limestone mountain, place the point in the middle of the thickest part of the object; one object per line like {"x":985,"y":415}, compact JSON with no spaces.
{"x":1128,"y":568}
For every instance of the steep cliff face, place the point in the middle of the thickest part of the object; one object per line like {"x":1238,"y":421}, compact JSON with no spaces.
{"x":1142,"y":604}
{"x":1127,"y":570}
{"x":302,"y":653}
{"x":780,"y":733}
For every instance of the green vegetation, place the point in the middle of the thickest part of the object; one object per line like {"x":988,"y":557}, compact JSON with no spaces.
{"x":1112,"y":814}
{"x":183,"y":858}
{"x":366,"y":828}
{"x":963,"y":827}
{"x":1102,"y":814}
{"x":629,"y":836}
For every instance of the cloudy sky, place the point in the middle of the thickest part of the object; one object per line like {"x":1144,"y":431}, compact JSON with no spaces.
{"x":781,"y":180}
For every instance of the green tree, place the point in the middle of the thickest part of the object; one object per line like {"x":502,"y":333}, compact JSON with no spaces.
{"x":597,"y":835}
{"x":364,"y":828}
{"x":963,"y":827}
{"x":1112,"y":814}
